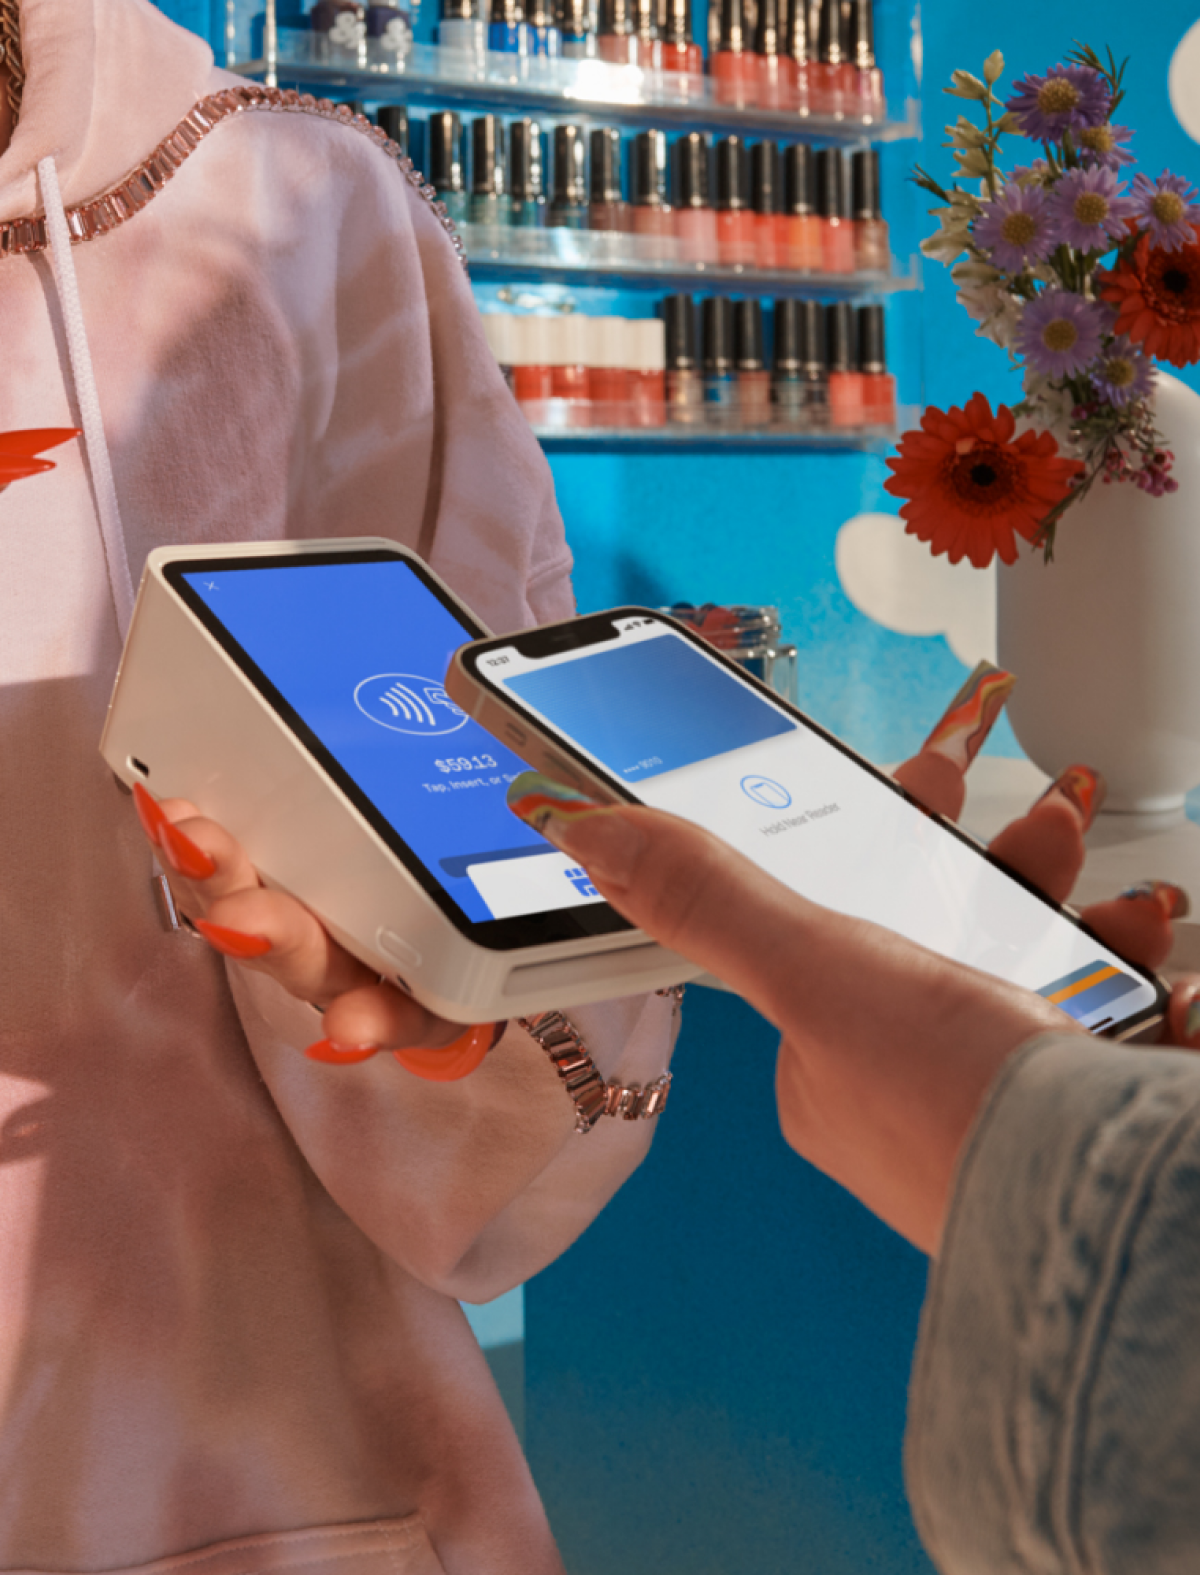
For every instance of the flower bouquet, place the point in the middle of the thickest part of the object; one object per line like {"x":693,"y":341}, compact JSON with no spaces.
{"x":1083,"y":279}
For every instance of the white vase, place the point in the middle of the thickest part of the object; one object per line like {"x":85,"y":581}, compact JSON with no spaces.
{"x":1105,"y":640}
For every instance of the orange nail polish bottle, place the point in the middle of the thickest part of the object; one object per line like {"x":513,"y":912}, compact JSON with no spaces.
{"x":804,"y":230}
{"x":734,"y":69}
{"x":879,"y":386}
{"x":837,"y":230}
{"x":770,"y":225}
{"x":736,"y":221}
{"x":846,"y":390}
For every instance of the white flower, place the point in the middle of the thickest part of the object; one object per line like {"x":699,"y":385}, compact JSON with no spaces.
{"x":945,"y":245}
{"x":994,"y":309}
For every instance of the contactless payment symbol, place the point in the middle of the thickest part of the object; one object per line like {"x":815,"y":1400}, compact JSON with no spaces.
{"x":764,"y":791}
{"x":407,"y":703}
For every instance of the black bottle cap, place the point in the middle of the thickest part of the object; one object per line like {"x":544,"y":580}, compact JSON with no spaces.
{"x":457,"y":10}
{"x":691,"y":170}
{"x":864,"y":183}
{"x":732,"y":34}
{"x":525,"y":168}
{"x":862,"y":34}
{"x":508,"y":12}
{"x":764,"y":177}
{"x":616,"y":17}
{"x":645,"y":20}
{"x":570,"y":166}
{"x":717,"y":316}
{"x":733,"y":172}
{"x":796,"y":31}
{"x":830,"y":33}
{"x":770,"y":30}
{"x":540,"y":13}
{"x":606,"y":164}
{"x":831,"y":183}
{"x":487,"y":156}
{"x":748,"y":335}
{"x":675,"y":25}
{"x":679,"y":315}
{"x":575,"y":17}
{"x":872,"y":351}
{"x":799,"y":185}
{"x":799,"y":336}
{"x":443,"y":152}
{"x":393,"y":118}
{"x":648,"y":170}
{"x":841,"y":338}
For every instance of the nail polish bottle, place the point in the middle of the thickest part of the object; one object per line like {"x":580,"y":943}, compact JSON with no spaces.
{"x":650,"y":208}
{"x":498,"y":330}
{"x":570,"y":379}
{"x":846,"y":407}
{"x":827,"y":95}
{"x":389,"y":35}
{"x":799,"y":54}
{"x":685,"y":385}
{"x":733,"y":68}
{"x":339,"y":29}
{"x":837,"y":229}
{"x":533,"y":381}
{"x":737,"y":224}
{"x":607,"y":210}
{"x":776,"y":88}
{"x":393,"y":118}
{"x":804,"y":229}
{"x":444,"y":162}
{"x":677,"y":49}
{"x":648,"y":380}
{"x":645,"y":27}
{"x":617,"y":41}
{"x":872,"y":251}
{"x":799,"y":383}
{"x":879,"y":386}
{"x":488,"y":204}
{"x":609,"y":374}
{"x":545,"y":40}
{"x":720,"y":375}
{"x":770,"y":225}
{"x":463,"y":33}
{"x":578,"y":33}
{"x":569,"y":205}
{"x":695,"y":221}
{"x":526,"y":180}
{"x":508,"y":31}
{"x":753,"y":379}
{"x":871,"y":104}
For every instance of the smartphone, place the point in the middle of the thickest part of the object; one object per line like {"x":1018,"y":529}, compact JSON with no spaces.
{"x":294,"y":692}
{"x":629,"y":705}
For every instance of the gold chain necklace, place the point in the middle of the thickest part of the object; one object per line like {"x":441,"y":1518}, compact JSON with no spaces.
{"x":11,"y":58}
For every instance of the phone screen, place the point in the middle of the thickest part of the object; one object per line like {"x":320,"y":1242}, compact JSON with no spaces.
{"x":684,"y":732}
{"x":352,"y":648}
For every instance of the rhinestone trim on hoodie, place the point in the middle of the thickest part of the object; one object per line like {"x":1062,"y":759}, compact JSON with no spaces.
{"x":113,"y":207}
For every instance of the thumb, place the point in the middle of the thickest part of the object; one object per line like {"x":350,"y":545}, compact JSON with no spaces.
{"x":681,"y":885}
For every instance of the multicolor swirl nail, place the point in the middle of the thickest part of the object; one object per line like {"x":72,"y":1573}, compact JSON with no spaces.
{"x":537,"y":799}
{"x":971,"y":715}
{"x":1084,"y":788}
{"x":1173,"y":900}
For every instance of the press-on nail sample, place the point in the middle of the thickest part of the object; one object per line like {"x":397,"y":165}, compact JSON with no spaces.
{"x":1083,"y":787}
{"x":535,"y":799}
{"x":1173,"y":900}
{"x":971,"y":715}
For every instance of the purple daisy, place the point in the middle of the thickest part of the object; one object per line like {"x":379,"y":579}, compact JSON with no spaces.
{"x":1088,"y":211}
{"x":1102,"y":145}
{"x":1060,"y":333}
{"x":1066,"y":98}
{"x":1122,"y":374}
{"x":1167,"y":208}
{"x":1015,"y":228}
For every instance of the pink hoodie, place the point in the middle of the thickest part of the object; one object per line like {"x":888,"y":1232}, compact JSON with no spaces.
{"x":229,"y":1335}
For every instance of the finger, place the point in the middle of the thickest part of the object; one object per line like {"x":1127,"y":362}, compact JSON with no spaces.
{"x":1046,"y":844}
{"x":372,"y":1014}
{"x":202,"y":860}
{"x":1183,"y":1015}
{"x":935,"y":774}
{"x":274,"y":934}
{"x":1137,"y":923}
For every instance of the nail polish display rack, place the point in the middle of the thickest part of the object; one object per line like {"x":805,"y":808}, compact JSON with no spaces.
{"x":590,"y":90}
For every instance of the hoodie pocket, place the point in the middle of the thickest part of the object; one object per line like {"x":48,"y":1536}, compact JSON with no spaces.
{"x":375,"y":1547}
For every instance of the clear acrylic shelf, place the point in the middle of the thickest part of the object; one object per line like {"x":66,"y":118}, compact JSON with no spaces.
{"x":623,"y":94}
{"x":597,"y":257}
{"x":678,"y":439}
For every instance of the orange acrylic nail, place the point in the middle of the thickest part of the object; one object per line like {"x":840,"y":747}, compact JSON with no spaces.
{"x":340,"y":1055}
{"x":454,"y":1060}
{"x":183,"y":855}
{"x":971,"y":715}
{"x":233,"y":943}
{"x":1083,"y":787}
{"x":148,"y":812}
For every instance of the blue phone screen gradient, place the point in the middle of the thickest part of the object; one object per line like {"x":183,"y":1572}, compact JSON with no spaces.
{"x":649,"y":707}
{"x":359,"y":650}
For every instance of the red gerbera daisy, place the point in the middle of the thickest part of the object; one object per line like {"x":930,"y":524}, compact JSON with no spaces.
{"x":972,"y":486}
{"x":1157,"y":296}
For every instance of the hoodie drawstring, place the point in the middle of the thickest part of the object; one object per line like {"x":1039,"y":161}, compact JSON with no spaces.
{"x":105,"y":493}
